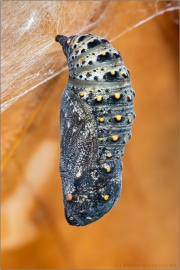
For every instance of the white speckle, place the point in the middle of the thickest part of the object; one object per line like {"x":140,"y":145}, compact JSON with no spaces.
{"x":51,"y":71}
{"x":78,"y":175}
{"x":28,"y":23}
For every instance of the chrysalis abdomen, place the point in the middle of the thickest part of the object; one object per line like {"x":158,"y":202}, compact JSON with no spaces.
{"x":96,"y":118}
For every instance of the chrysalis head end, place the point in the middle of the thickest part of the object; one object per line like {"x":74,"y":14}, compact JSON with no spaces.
{"x":61,"y":39}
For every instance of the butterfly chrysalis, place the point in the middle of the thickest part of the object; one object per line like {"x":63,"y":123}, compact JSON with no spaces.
{"x":96,"y":116}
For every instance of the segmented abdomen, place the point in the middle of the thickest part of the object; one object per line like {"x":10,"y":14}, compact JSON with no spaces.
{"x":97,"y":113}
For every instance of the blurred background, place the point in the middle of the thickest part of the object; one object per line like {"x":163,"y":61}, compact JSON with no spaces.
{"x":141,"y":231}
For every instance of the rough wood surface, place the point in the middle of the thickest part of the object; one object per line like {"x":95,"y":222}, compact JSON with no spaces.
{"x":142,"y":229}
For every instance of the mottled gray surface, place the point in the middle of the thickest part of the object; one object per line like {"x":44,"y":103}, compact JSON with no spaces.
{"x":96,"y":118}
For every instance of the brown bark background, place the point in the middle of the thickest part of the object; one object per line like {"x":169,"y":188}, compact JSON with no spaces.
{"x":141,"y":231}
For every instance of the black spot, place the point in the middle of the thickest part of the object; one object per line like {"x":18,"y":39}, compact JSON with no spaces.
{"x":102,"y":69}
{"x":80,"y":76}
{"x":88,"y":74}
{"x":96,"y":78}
{"x":104,"y":41}
{"x":72,"y":57}
{"x":75,"y":46}
{"x":115,"y":56}
{"x":83,"y":62}
{"x":107,"y":90}
{"x":104,"y":58}
{"x":109,"y":77}
{"x":76,"y":52}
{"x":93,"y":44}
{"x":90,"y":62}
{"x":125,"y":75}
{"x":83,"y":50}
{"x":77,"y":65}
{"x":81,"y":39}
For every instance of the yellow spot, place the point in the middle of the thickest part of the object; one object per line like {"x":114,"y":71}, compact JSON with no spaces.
{"x":117,"y":95}
{"x":82,"y":59}
{"x":101,"y":120}
{"x":106,"y":197}
{"x":118,"y":117}
{"x":129,"y":97}
{"x":100,"y":139}
{"x":109,"y":155}
{"x":112,"y":72}
{"x":99,"y":98}
{"x":81,"y":94}
{"x":78,"y":175}
{"x":108,"y":169}
{"x":92,"y":40}
{"x":103,"y":53}
{"x":125,"y":140}
{"x":68,"y":41}
{"x":129,"y":120}
{"x":70,"y":196}
{"x":115,"y":138}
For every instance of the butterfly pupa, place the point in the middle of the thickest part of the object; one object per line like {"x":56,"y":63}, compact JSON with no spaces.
{"x":96,"y":117}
